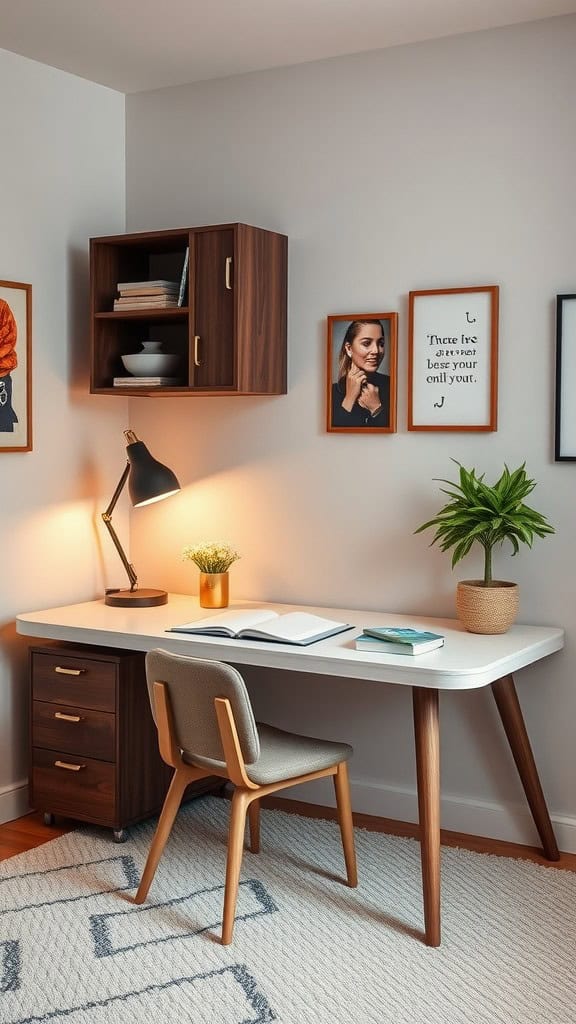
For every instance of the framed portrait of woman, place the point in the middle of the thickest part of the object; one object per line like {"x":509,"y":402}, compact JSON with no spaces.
{"x":362,"y":372}
{"x":15,"y":367}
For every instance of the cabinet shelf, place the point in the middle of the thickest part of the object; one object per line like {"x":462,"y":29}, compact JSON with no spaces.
{"x":179,"y":313}
{"x":230,"y":336}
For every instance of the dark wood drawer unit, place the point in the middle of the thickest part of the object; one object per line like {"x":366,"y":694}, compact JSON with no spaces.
{"x":76,"y":679}
{"x":93,"y":740}
{"x":79,"y":787}
{"x":76,"y":730}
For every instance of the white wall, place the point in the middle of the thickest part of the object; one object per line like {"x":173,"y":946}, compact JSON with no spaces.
{"x":61,"y":180}
{"x":450,"y":163}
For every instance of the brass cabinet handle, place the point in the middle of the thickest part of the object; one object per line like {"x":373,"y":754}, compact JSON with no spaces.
{"x":67,"y":718}
{"x":228,"y":273}
{"x":196,"y":349}
{"x":69,"y":671}
{"x":69,"y":767}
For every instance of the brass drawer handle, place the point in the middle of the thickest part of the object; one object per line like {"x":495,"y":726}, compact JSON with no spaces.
{"x":196,"y":350}
{"x":67,"y":718}
{"x":69,"y":767}
{"x":69,"y":671}
{"x":228,"y":272}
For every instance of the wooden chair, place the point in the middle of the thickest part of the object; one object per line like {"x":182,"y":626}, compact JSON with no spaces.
{"x":206,"y":727}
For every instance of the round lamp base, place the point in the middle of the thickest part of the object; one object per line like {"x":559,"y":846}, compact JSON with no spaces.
{"x":136,"y":598}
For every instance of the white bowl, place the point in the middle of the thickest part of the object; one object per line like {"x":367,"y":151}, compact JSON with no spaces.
{"x":151,"y":364}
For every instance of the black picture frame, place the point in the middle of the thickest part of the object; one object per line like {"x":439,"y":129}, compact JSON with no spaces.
{"x":565,"y":430}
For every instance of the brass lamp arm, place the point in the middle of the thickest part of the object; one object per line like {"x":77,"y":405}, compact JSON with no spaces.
{"x":107,"y":519}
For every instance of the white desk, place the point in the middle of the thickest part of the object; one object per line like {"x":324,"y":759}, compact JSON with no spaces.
{"x":467,"y":661}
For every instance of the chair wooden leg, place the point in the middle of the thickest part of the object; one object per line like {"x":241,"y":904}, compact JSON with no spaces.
{"x":342,"y":788}
{"x":254,"y":822}
{"x":427,"y":737}
{"x":234,"y":861}
{"x":169,"y":811}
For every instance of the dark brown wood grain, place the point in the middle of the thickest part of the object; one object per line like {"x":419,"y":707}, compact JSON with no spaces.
{"x":123,"y":778}
{"x":94,"y":687}
{"x":74,"y":729}
{"x":513,"y":721}
{"x":212,"y":323}
{"x":261,"y":295}
{"x":427,"y":742}
{"x":236,"y":334}
{"x":88,"y":794}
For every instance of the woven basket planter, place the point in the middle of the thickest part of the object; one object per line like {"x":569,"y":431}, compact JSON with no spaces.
{"x":486,"y":609}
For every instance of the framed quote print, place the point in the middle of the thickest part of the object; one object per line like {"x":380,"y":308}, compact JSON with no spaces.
{"x":453,"y":359}
{"x":361,"y":373}
{"x":565,"y":439}
{"x":15,"y":367}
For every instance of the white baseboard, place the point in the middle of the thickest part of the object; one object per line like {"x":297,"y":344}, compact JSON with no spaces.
{"x":14,"y":801}
{"x":510,"y":822}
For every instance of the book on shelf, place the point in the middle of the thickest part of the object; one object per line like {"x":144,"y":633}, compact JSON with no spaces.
{"x":182,"y":289}
{"x":300,"y":628}
{"x":120,"y":304}
{"x":391,"y":640}
{"x":138,"y":382}
{"x":147,"y":299}
{"x":140,"y":293}
{"x":135,"y":285}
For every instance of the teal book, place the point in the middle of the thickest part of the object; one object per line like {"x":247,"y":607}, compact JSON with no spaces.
{"x":399,"y":641}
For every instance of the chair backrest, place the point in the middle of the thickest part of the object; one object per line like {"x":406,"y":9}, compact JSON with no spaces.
{"x":192,"y":684}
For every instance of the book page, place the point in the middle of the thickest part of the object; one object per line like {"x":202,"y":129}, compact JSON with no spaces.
{"x":296,"y":627}
{"x":230,"y":621}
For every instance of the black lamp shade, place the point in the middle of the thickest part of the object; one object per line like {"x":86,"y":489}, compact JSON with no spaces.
{"x":149,"y":480}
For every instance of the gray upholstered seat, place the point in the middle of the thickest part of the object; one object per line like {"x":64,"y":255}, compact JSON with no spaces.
{"x":284,"y":755}
{"x":206,"y":727}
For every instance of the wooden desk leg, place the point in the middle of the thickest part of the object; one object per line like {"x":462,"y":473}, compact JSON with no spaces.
{"x":514,"y":726}
{"x":427,"y":741}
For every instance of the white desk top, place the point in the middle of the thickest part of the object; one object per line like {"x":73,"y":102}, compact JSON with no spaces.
{"x":465,"y":662}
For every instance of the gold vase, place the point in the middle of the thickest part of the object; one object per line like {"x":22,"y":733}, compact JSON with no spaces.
{"x":214,"y":590}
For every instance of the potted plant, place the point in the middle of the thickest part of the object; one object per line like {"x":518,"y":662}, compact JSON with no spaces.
{"x":213,"y":560}
{"x":478,"y":513}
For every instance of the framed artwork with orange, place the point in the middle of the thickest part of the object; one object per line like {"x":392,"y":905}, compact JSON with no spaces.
{"x":15,"y":367}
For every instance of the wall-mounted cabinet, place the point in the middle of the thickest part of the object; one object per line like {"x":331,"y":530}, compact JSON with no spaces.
{"x":230,"y":333}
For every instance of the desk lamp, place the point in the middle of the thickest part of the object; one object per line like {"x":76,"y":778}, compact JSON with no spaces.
{"x":148,"y":481}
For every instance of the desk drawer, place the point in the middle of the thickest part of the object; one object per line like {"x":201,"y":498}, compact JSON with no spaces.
{"x":75,"y":680}
{"x":85,"y":788}
{"x":77,"y":730}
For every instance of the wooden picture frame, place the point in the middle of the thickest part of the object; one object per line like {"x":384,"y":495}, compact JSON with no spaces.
{"x":453,"y":359}
{"x":361,"y":373}
{"x":565,"y":418}
{"x":15,"y":367}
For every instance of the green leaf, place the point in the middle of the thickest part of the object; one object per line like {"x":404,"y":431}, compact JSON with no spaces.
{"x":486,"y":514}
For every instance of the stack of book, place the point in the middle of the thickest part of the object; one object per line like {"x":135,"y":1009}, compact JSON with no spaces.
{"x":146,"y":295}
{"x":391,"y":640}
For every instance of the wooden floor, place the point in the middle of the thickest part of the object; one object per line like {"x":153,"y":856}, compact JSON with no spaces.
{"x":30,"y":831}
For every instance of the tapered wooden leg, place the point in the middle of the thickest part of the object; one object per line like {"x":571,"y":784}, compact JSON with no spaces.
{"x":254,"y":823}
{"x":166,"y":820}
{"x":342,"y":788}
{"x":234,"y":861}
{"x":515,"y":728}
{"x":427,"y":740}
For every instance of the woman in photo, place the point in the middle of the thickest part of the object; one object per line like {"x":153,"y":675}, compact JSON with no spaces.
{"x":361,"y":395}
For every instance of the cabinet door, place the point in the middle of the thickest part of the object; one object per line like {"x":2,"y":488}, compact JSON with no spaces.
{"x":213,"y":349}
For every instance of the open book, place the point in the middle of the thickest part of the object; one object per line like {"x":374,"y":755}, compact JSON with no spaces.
{"x":261,"y":624}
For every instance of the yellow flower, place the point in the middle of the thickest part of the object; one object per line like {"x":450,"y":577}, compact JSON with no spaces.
{"x":211,"y":556}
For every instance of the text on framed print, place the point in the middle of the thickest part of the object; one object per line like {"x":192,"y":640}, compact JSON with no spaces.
{"x":453,"y":359}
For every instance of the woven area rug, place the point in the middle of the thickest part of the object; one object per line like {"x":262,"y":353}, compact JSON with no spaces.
{"x":306,"y":949}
